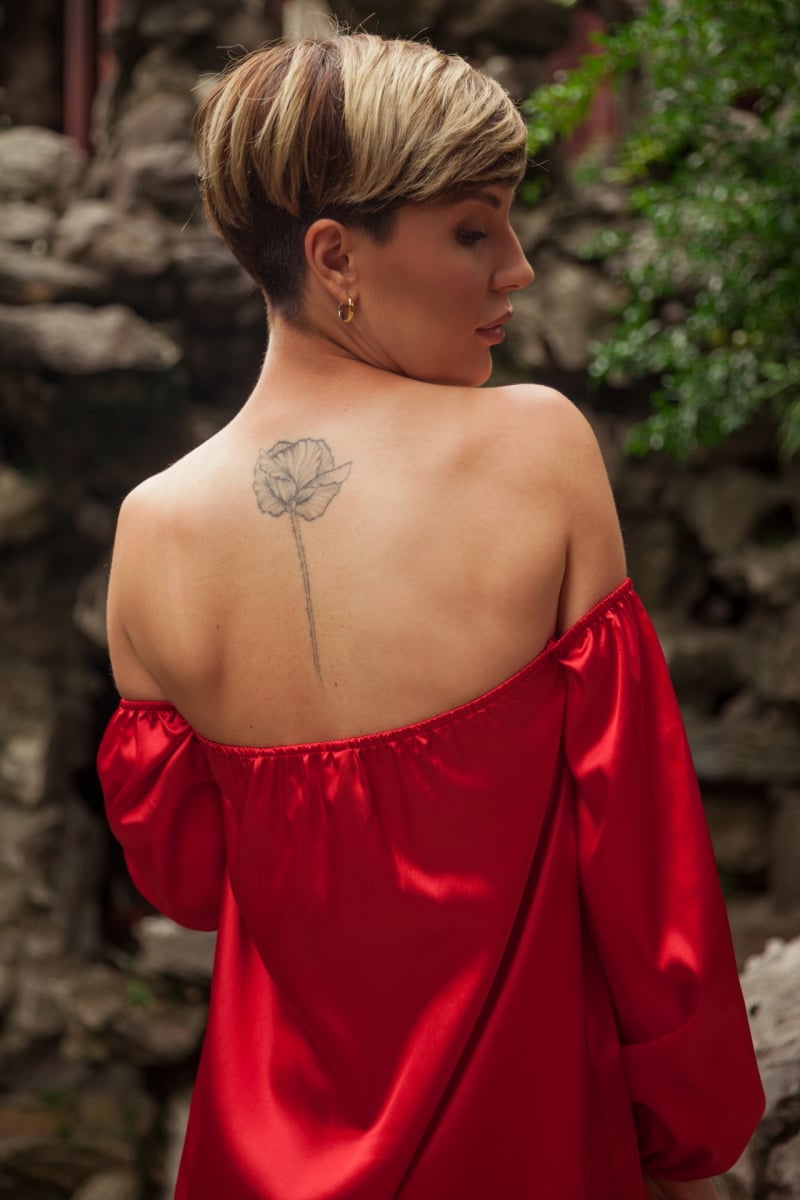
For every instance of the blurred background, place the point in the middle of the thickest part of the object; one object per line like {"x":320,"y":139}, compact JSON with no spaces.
{"x":662,"y":217}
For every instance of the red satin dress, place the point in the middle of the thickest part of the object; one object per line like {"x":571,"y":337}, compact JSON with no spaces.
{"x":481,"y":957}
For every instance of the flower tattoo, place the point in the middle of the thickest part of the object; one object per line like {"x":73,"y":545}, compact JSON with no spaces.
{"x":299,"y":478}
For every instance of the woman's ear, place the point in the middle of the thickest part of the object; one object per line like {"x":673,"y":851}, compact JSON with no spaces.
{"x":329,"y":249}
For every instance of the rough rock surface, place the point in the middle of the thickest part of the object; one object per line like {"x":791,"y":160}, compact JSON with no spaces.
{"x":38,"y":164}
{"x":127,"y":333}
{"x":78,"y":340}
{"x":27,"y":277}
{"x":167,"y":950}
{"x":771,"y":986}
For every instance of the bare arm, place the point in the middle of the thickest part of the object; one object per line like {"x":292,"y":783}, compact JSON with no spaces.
{"x":134,"y":546}
{"x":595,"y":558}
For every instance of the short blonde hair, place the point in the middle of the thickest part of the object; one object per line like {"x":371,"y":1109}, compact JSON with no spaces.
{"x":350,"y":127}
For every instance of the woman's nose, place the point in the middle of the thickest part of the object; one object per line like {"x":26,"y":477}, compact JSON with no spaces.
{"x":515,"y":274}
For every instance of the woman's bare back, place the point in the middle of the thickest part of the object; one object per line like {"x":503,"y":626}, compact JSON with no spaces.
{"x":332,"y":565}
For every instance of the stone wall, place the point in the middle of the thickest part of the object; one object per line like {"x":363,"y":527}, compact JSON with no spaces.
{"x":127,"y":334}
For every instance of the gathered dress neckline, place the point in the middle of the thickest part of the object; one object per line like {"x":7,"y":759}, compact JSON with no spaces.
{"x":412,"y":728}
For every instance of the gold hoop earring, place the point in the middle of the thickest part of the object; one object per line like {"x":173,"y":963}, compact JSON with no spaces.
{"x":346,"y":311}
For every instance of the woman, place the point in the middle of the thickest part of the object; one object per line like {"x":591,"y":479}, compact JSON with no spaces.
{"x":467,"y":947}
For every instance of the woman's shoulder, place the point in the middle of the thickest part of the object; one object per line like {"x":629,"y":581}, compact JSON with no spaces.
{"x":171,"y":497}
{"x":543,"y":432}
{"x":543,"y":409}
{"x":559,"y":461}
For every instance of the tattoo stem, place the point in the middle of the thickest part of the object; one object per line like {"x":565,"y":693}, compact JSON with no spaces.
{"x":301,"y":555}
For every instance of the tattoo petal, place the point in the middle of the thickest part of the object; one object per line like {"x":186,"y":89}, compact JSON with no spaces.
{"x":299,"y":478}
{"x":297,"y":475}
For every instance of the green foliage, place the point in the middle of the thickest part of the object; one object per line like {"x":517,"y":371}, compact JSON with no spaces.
{"x":138,"y":994}
{"x":713,"y":166}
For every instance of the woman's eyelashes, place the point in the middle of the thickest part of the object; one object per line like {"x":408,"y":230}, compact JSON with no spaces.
{"x":470,"y":237}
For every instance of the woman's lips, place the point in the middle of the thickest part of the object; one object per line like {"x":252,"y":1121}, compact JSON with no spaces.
{"x":495,"y":332}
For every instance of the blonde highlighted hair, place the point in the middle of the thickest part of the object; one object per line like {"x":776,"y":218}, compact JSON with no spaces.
{"x":349,"y":127}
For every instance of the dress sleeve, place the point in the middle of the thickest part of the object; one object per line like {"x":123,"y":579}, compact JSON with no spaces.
{"x":652,"y":899}
{"x":165,"y":809}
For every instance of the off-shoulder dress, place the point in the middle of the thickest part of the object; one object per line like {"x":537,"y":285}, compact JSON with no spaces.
{"x":480,"y":957}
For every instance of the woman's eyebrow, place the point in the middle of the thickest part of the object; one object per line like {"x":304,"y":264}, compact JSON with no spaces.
{"x":482,"y":195}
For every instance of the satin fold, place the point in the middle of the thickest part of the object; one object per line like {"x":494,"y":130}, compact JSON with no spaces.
{"x":482,"y":955}
{"x":166,"y":810}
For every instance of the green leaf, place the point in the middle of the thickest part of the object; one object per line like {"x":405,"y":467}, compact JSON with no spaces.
{"x":713,"y":164}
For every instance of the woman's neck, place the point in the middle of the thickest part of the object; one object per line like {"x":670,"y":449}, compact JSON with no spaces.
{"x":303,"y":362}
